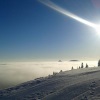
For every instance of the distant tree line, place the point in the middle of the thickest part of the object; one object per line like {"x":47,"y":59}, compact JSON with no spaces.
{"x":82,"y":66}
{"x":86,"y":66}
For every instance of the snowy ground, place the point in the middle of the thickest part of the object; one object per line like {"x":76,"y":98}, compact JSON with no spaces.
{"x":77,"y":84}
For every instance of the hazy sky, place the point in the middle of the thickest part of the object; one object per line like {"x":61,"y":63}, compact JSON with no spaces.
{"x":30,"y":30}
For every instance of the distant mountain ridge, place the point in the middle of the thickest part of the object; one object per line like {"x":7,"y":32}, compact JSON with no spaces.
{"x":74,"y":60}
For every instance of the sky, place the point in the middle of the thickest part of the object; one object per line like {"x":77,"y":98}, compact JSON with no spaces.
{"x":32,"y":31}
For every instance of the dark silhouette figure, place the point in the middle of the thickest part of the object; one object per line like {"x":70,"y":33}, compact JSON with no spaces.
{"x":99,"y":63}
{"x":72,"y":68}
{"x":86,"y":66}
{"x":60,"y":71}
{"x":82,"y":65}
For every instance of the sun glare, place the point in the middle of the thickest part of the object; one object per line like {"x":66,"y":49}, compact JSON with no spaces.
{"x":97,"y":28}
{"x":71,"y":15}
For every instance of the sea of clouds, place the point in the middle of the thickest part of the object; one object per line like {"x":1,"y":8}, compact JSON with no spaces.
{"x":13,"y":73}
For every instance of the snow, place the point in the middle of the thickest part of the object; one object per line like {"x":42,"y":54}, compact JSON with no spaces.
{"x":13,"y":73}
{"x":67,"y":85}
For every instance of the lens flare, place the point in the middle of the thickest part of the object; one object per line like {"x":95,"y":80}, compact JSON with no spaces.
{"x":97,"y":28}
{"x":69,"y":14}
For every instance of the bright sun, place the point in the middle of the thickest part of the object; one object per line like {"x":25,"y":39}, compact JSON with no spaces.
{"x":97,"y":28}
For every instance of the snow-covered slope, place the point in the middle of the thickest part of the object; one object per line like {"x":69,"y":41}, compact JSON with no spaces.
{"x":76,"y":84}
